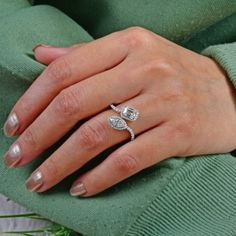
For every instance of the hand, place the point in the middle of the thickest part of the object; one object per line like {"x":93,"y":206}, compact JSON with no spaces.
{"x":186,"y":104}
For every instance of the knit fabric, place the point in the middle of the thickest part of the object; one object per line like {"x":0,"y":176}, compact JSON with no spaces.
{"x":225,"y":55}
{"x":190,"y":196}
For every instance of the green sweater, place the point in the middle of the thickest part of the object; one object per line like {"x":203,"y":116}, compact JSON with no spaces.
{"x":192,"y":196}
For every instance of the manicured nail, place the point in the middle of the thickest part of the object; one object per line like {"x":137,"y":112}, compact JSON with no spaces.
{"x":78,"y":190}
{"x":41,"y":45}
{"x":11,"y":125}
{"x":35,"y":181}
{"x":12,"y":156}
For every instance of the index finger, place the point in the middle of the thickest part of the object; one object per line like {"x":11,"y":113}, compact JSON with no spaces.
{"x":94,"y":57}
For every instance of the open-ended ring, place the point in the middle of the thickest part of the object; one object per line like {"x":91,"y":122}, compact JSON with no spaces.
{"x":118,"y":122}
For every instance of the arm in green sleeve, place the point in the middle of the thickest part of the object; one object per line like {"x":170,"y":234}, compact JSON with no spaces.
{"x":225,"y":55}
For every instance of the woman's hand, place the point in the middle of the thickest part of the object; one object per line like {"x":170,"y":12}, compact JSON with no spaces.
{"x":186,"y":105}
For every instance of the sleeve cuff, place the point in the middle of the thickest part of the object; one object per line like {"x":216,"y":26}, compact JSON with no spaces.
{"x":225,"y":55}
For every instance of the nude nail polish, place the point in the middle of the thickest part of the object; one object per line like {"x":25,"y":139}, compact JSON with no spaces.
{"x":78,"y":190}
{"x":41,"y":45}
{"x":11,"y":125}
{"x":12,"y":156}
{"x":35,"y":181}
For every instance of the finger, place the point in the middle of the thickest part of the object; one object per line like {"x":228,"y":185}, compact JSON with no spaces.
{"x":47,"y":53}
{"x":146,"y":150}
{"x":72,"y":105}
{"x":94,"y":57}
{"x":94,"y":136}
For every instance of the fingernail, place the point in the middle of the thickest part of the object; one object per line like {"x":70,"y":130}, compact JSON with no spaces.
{"x":13,"y":156}
{"x":41,"y":45}
{"x":78,"y":190}
{"x":35,"y":181}
{"x":11,"y":125}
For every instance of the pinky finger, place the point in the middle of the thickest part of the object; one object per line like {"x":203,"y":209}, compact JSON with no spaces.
{"x":146,"y":150}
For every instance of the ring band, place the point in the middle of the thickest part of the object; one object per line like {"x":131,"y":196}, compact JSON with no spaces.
{"x":118,"y":122}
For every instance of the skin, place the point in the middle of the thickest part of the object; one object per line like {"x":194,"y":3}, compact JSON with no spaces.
{"x":185,"y":100}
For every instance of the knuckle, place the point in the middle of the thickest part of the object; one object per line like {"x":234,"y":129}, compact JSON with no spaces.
{"x":137,"y":37}
{"x":23,"y":104}
{"x":51,"y":166}
{"x":68,"y":102}
{"x":135,"y":29}
{"x":30,"y":139}
{"x":59,"y":71}
{"x":159,"y":66}
{"x":126,"y":163}
{"x":92,"y":135}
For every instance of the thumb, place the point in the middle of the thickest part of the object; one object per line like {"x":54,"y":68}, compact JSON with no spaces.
{"x":48,"y":53}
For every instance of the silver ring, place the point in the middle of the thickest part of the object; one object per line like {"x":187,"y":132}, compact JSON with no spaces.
{"x":118,"y":122}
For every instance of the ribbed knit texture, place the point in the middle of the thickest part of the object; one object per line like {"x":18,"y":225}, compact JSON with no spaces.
{"x":191,"y":196}
{"x":225,"y":55}
{"x":198,"y":201}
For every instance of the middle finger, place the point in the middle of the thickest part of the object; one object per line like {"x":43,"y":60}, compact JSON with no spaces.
{"x":71,"y":105}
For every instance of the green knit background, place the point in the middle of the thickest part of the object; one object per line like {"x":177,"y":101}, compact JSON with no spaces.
{"x":180,"y":196}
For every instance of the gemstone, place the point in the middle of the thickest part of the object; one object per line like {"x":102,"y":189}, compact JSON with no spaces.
{"x":129,"y":113}
{"x":117,"y":122}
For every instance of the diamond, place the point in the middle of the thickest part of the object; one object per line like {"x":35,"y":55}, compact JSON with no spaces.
{"x":129,"y":113}
{"x":117,"y":122}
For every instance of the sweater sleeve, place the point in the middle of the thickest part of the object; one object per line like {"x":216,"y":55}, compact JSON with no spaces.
{"x":225,"y":55}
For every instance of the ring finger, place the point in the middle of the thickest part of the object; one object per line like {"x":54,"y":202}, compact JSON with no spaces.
{"x":94,"y":136}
